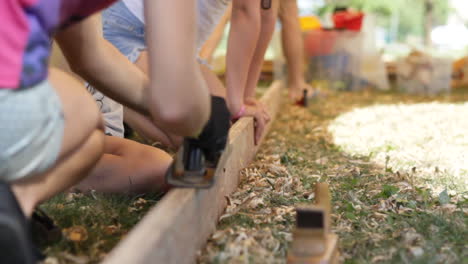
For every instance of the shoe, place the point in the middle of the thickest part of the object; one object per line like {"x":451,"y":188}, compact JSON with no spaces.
{"x":16,"y":246}
{"x":44,"y":231}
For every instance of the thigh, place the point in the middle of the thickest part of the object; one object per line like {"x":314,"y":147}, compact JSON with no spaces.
{"x":215,"y":85}
{"x":81,"y":114}
{"x":142,"y":62}
{"x":31,"y":132}
{"x":136,"y":155}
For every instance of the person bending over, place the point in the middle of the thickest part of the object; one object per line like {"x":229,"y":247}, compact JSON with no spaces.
{"x":123,"y":26}
{"x":52,"y":132}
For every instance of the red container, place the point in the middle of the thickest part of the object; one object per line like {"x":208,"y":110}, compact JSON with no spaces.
{"x":348,"y":20}
{"x":319,"y":42}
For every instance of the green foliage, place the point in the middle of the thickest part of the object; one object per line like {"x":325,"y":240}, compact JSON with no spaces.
{"x":444,"y":198}
{"x":389,"y":190}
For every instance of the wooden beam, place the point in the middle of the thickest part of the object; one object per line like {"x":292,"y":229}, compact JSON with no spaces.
{"x":179,"y":225}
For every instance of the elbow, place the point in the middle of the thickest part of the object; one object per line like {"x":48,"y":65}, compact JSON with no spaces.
{"x":184,"y":121}
{"x":80,"y":68}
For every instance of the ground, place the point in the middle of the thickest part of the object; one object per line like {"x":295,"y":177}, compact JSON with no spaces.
{"x":381,"y":214}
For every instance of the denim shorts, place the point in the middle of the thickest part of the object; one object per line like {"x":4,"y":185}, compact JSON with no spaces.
{"x":124,"y":30}
{"x":127,"y":33}
{"x":31,"y":131}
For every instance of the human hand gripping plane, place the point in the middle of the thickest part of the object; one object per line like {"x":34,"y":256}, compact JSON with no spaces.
{"x":195,"y":163}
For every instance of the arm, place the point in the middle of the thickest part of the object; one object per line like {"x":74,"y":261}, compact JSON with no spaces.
{"x":268,"y":22}
{"x":97,"y":61}
{"x":177,"y":87}
{"x":91,"y":56}
{"x":243,"y":36}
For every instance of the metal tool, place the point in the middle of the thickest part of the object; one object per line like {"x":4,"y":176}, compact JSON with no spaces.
{"x":313,"y":242}
{"x":190,"y":168}
{"x":195,"y":163}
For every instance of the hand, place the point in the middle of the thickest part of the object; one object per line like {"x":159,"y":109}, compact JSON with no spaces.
{"x":213,"y":138}
{"x":254,"y":102}
{"x":259,"y":120}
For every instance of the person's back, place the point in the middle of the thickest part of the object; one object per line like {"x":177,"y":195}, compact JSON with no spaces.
{"x":51,"y":134}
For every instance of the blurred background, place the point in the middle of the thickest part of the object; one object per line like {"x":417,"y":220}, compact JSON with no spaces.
{"x":414,"y":46}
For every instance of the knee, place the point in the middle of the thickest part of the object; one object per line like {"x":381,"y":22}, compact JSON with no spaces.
{"x":93,"y":115}
{"x":96,"y":144}
{"x":287,"y":14}
{"x":155,"y":160}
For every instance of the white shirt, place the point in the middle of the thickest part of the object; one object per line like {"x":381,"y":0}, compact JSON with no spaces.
{"x":209,"y":14}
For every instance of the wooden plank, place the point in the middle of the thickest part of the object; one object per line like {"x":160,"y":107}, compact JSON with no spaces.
{"x":179,"y":225}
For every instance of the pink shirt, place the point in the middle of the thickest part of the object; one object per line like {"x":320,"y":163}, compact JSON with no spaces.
{"x":25,"y":35}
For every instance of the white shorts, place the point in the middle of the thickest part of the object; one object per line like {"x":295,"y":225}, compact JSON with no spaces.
{"x":31,"y":130}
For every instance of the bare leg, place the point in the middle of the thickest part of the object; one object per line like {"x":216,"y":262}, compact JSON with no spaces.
{"x":215,"y":85}
{"x":128,"y":166}
{"x":293,"y":48}
{"x":81,"y":148}
{"x":212,"y":43}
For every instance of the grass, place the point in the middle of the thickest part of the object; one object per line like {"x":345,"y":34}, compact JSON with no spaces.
{"x":381,"y":215}
{"x":92,"y":224}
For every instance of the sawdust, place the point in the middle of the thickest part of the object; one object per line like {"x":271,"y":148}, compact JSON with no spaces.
{"x":380,"y":215}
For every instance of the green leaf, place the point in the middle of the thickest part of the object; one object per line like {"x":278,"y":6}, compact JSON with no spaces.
{"x":389,"y":190}
{"x":444,"y":198}
{"x":350,"y":216}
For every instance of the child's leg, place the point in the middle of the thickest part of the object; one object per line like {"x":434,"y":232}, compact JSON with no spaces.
{"x":128,"y":166}
{"x":81,"y":148}
{"x":215,"y":85}
{"x":293,"y":48}
{"x":209,"y":47}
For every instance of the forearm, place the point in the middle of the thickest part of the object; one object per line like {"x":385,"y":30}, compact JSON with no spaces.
{"x":147,"y":129}
{"x":243,"y":36}
{"x":292,"y":42}
{"x":111,"y":73}
{"x":179,"y":96}
{"x":98,"y":62}
{"x":267,"y":28}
